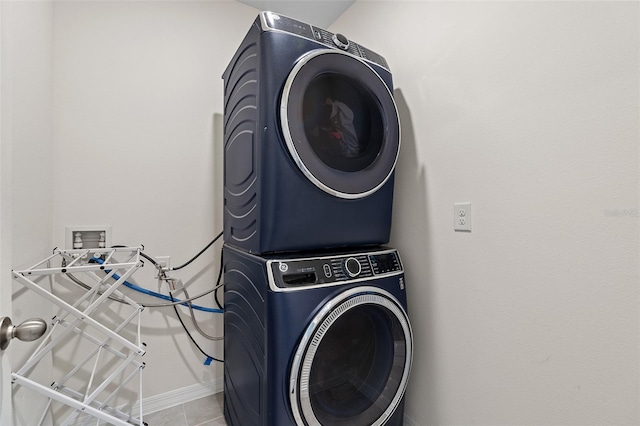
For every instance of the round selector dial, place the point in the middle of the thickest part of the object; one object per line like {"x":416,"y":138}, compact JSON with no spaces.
{"x":341,"y":41}
{"x":352,"y":267}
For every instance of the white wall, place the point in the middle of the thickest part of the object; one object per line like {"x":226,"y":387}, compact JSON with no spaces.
{"x":529,"y":110}
{"x":5,"y":207}
{"x":136,"y":88}
{"x":31,"y":87}
{"x":27,"y":50}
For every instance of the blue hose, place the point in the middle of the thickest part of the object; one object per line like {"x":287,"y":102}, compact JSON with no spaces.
{"x":155,"y":294}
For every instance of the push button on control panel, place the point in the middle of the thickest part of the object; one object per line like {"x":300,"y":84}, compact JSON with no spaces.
{"x":327,"y":270}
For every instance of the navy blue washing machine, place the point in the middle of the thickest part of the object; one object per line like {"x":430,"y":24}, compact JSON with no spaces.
{"x":320,"y":339}
{"x":311,"y":139}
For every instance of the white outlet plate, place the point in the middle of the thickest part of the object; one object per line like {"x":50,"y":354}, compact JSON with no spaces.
{"x":164,"y":261}
{"x":90,"y":235}
{"x":462,"y":217}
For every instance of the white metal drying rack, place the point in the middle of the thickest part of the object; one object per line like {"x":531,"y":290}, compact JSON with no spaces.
{"x":110,"y":349}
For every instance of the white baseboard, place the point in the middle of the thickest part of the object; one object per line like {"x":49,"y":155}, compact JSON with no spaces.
{"x":179,"y":396}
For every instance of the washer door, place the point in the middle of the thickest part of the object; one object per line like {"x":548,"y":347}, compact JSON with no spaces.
{"x":340,"y":123}
{"x":352,"y":365}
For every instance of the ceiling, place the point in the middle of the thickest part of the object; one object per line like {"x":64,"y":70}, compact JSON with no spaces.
{"x":321,"y":13}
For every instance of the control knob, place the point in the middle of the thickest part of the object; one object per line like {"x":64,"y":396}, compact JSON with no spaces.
{"x":352,"y":267}
{"x":341,"y":41}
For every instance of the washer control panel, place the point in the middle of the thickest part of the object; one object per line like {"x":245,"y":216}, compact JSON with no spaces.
{"x":273,"y":21}
{"x":312,"y":271}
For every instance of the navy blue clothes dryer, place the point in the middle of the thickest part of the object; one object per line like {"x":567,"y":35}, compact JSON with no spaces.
{"x":320,"y":339}
{"x":311,"y":139}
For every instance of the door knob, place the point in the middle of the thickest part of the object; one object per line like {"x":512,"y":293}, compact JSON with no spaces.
{"x":29,"y":330}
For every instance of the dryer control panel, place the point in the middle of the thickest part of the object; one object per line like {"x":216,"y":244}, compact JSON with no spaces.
{"x":275,"y":22}
{"x":338,"y":269}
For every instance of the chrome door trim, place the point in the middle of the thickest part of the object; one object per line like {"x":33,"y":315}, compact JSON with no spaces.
{"x":312,"y":337}
{"x":284,"y":124}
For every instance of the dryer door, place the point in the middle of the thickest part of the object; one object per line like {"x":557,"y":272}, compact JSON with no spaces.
{"x":352,"y":365}
{"x":340,"y":123}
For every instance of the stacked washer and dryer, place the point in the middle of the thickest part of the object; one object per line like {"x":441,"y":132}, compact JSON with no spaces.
{"x":315,"y":320}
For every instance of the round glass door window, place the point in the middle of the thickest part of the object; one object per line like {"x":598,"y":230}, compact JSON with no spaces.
{"x":340,"y":124}
{"x":352,"y":366}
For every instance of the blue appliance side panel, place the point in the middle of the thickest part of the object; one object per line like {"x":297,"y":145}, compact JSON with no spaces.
{"x":245,"y":342}
{"x":261,"y":330}
{"x":241,"y":143}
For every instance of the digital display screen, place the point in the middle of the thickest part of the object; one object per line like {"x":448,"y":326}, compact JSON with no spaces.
{"x":385,"y":263}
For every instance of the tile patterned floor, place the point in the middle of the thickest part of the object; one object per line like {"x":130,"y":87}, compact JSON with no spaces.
{"x":205,"y":411}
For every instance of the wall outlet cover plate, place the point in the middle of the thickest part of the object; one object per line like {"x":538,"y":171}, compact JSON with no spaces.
{"x":462,"y":217}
